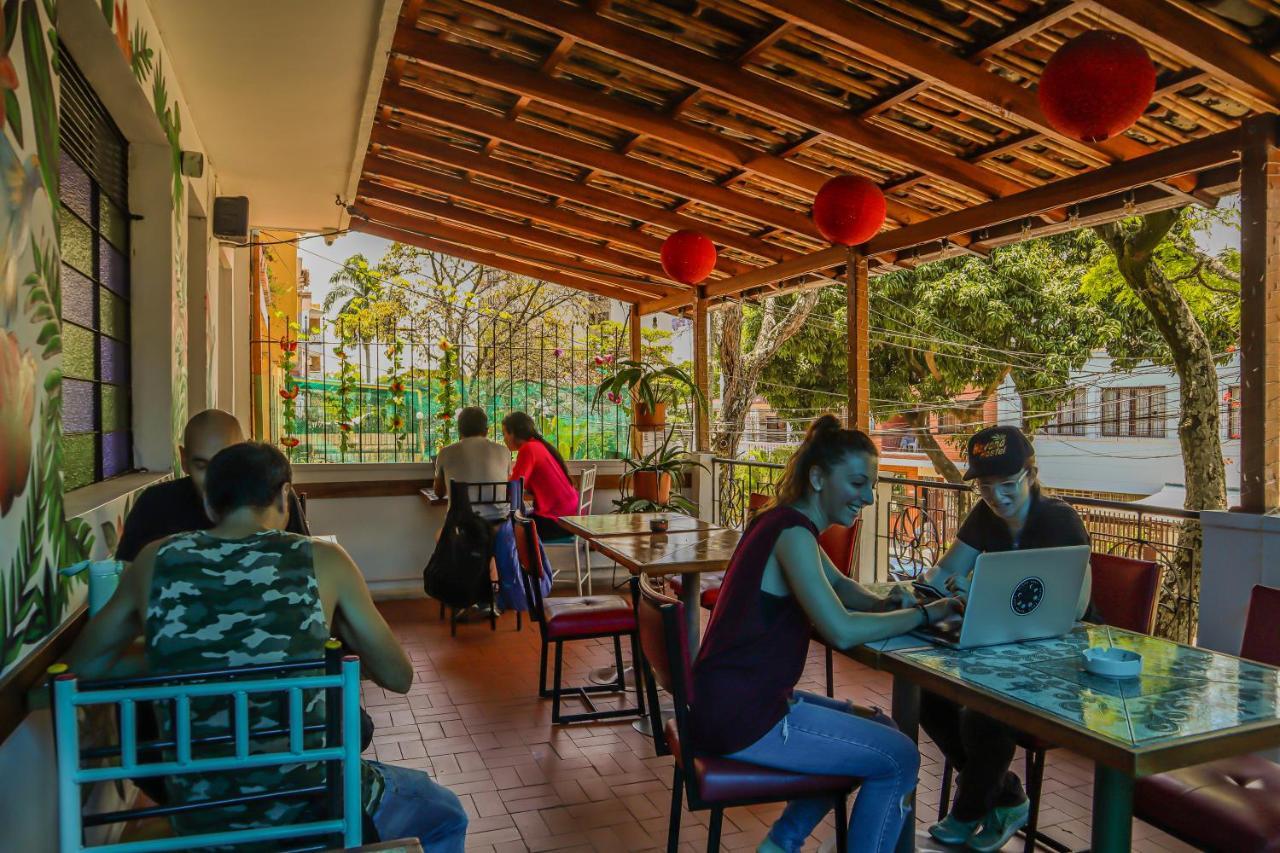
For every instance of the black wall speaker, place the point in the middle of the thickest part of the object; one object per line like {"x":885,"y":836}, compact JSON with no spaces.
{"x":231,"y":218}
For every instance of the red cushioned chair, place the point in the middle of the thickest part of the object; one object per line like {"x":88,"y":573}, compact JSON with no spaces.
{"x":561,"y":619}
{"x":1125,"y":592}
{"x":841,"y":545}
{"x":713,"y":782}
{"x":707,"y":599}
{"x":1232,"y":804}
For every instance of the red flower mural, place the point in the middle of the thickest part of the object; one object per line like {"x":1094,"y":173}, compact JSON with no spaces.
{"x":17,"y":405}
{"x":8,"y":74}
{"x":122,"y":29}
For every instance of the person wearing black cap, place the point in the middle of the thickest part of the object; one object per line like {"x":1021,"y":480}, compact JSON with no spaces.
{"x":990,"y":805}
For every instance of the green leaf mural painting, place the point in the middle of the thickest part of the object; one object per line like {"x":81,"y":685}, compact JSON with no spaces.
{"x":36,"y":537}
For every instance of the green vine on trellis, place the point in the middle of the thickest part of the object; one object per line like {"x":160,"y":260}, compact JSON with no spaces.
{"x":447,"y":396}
{"x":395,"y":406}
{"x":348,"y":385}
{"x":289,"y":390}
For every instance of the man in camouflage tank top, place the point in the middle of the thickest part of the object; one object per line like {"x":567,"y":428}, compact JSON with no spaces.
{"x":246,"y":592}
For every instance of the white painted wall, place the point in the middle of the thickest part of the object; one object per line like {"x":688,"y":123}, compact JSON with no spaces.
{"x":1240,"y":550}
{"x":392,"y":538}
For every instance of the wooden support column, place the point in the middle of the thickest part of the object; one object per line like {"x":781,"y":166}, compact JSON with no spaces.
{"x":634,"y":321}
{"x":858,"y":362}
{"x":1260,"y":317}
{"x":701,"y":371}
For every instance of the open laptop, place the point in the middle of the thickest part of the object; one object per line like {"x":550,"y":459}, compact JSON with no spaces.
{"x":1016,"y":596}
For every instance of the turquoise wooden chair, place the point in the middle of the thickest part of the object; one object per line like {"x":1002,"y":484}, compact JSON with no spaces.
{"x":179,"y":754}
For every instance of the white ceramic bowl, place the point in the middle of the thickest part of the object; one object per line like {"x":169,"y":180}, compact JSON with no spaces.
{"x":1113,"y":663}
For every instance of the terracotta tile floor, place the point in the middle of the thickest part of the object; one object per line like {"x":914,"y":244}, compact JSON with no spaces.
{"x":473,"y":720}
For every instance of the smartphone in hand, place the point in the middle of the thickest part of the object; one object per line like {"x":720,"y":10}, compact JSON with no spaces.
{"x":926,"y":592}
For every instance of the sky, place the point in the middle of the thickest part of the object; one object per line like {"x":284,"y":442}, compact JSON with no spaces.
{"x":323,"y":261}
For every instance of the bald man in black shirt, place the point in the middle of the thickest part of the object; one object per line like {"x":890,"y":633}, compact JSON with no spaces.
{"x":177,"y":506}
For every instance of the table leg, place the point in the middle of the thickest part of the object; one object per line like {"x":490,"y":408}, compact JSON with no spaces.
{"x":691,"y":597}
{"x":906,"y":713}
{"x":1112,"y":810}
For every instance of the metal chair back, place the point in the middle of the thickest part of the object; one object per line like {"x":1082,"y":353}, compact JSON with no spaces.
{"x":179,"y":753}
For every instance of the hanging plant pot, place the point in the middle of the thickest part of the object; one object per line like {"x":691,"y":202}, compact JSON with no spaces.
{"x":651,"y":486}
{"x":645,"y":419}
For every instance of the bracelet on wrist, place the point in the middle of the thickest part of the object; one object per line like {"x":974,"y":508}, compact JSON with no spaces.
{"x":924,"y":612}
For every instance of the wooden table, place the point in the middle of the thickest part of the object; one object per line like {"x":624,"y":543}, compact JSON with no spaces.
{"x":1190,"y":705}
{"x":688,"y":554}
{"x":592,"y":527}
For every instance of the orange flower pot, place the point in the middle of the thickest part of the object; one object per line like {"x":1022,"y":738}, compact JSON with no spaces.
{"x":645,"y":419}
{"x":651,"y":486}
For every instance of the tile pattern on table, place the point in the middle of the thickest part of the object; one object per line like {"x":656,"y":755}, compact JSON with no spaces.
{"x":1183,"y":691}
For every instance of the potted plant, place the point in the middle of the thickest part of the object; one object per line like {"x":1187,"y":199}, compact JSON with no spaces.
{"x":649,"y":480}
{"x":654,"y":387}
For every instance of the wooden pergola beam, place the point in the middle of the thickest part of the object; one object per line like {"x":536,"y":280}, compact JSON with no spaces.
{"x":588,"y":156}
{"x":419,"y":145}
{"x":511,"y":265}
{"x":513,"y":249}
{"x":556,"y":245}
{"x":468,"y":63}
{"x":1193,"y":41}
{"x":726,"y":79}
{"x":871,"y":36}
{"x":1161,"y":165}
{"x":520,"y":206}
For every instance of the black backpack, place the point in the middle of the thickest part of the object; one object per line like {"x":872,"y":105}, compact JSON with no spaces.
{"x":458,"y":572}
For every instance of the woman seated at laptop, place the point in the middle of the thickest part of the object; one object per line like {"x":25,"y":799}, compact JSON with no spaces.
{"x":990,"y":805}
{"x":779,"y":586}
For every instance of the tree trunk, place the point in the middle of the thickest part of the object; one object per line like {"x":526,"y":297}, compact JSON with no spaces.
{"x":1198,"y":427}
{"x":741,"y":370}
{"x":919,"y":422}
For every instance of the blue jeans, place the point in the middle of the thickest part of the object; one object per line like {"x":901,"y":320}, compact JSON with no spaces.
{"x":825,"y":736}
{"x":414,"y":806}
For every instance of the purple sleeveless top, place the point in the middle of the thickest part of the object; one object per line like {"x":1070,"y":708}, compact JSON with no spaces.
{"x":754,"y":649}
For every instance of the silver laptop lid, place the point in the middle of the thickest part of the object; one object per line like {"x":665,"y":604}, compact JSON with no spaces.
{"x":1023,"y":595}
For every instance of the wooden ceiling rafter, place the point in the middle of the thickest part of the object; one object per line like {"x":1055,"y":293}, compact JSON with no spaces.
{"x":523,"y":257}
{"x":1161,"y":165}
{"x":435,"y":52}
{"x":727,"y":80}
{"x":865,"y":33}
{"x":525,"y":233}
{"x":548,"y":144}
{"x":517,"y":205}
{"x":570,"y":138}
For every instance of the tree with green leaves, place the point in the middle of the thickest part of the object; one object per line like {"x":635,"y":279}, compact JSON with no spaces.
{"x":942,"y":330}
{"x":1170,"y":302}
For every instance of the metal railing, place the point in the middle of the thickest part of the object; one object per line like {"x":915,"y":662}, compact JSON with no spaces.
{"x":916,"y":521}
{"x":394,"y":398}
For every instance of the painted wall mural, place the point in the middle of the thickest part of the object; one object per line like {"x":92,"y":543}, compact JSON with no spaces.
{"x":36,"y":538}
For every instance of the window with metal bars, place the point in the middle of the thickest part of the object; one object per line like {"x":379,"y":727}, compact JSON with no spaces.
{"x":1134,"y":412}
{"x":1232,"y":403}
{"x":1071,"y":415}
{"x":93,"y":213}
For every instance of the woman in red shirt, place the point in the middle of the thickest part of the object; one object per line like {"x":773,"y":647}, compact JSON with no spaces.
{"x":546,"y":477}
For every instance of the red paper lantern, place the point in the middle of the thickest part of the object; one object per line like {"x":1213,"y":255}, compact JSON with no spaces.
{"x":849,"y":210}
{"x":1097,"y":85}
{"x":688,"y":256}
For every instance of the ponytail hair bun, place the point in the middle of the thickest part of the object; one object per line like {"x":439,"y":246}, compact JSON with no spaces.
{"x":825,"y":444}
